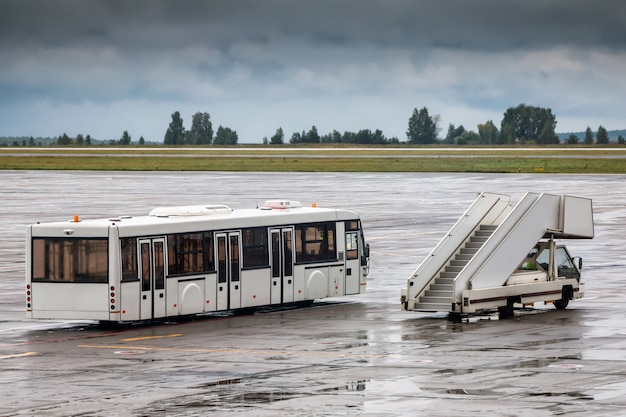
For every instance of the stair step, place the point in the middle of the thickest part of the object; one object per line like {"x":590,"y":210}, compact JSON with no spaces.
{"x":468,"y":251}
{"x":491,"y":227}
{"x":436,"y":300}
{"x":483,"y":233}
{"x":440,"y":287}
{"x":433,"y":307}
{"x":438,"y":293}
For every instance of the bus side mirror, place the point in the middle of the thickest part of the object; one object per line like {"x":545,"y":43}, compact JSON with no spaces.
{"x":366,"y":255}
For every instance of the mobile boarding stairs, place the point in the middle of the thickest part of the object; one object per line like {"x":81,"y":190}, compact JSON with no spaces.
{"x":497,"y":255}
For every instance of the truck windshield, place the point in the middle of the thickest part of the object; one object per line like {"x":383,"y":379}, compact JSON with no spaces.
{"x":565,"y":265}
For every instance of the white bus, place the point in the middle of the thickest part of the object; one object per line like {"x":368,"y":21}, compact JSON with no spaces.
{"x":192,"y":260}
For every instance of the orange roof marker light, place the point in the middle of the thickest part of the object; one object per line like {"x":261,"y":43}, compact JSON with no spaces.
{"x":76,"y":218}
{"x":314,"y":205}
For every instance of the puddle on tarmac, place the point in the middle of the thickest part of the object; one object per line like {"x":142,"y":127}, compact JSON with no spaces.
{"x":455,"y":371}
{"x":223,"y":401}
{"x":245,"y":395}
{"x":540,"y":362}
{"x":533,"y":343}
{"x":564,"y":362}
{"x":576,"y":395}
{"x":238,"y":394}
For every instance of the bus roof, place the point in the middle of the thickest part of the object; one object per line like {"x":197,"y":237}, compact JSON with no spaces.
{"x":165,"y":220}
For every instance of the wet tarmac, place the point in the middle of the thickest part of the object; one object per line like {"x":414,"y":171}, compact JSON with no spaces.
{"x":356,"y":355}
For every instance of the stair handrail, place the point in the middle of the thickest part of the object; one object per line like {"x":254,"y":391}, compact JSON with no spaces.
{"x":457,"y":235}
{"x":532,"y":204}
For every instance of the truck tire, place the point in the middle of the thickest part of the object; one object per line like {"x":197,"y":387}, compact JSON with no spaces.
{"x":566,"y":295}
{"x":507,"y":311}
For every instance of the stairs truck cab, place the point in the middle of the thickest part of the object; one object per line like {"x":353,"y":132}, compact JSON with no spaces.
{"x":498,"y":255}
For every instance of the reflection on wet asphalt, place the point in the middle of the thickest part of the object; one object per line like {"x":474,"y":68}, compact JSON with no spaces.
{"x":358,"y":355}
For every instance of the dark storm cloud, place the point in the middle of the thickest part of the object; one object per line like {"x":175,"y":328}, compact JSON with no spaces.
{"x":478,"y":24}
{"x":339,"y":64}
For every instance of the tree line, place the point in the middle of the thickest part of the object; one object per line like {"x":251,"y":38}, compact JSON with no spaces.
{"x":201,"y":132}
{"x":522,"y":124}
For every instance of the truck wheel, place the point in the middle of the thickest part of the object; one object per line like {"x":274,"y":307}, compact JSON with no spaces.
{"x":561,"y":304}
{"x":507,"y":311}
{"x":566,"y":294}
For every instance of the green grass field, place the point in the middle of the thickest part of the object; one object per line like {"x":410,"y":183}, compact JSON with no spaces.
{"x":578,"y":160}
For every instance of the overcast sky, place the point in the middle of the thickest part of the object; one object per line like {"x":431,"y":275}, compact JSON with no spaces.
{"x":100,"y":67}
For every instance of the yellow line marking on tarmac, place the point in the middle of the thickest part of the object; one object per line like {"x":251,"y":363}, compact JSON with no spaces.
{"x":18,"y":355}
{"x":234,"y":351}
{"x":134,"y":339}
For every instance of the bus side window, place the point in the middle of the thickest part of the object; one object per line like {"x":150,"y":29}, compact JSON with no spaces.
{"x":255,"y":249}
{"x":70,"y":260}
{"x":352,"y":245}
{"x":315,"y":242}
{"x":129,"y":259}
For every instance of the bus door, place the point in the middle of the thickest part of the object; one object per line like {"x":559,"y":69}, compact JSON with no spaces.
{"x":353,"y":262}
{"x":282,"y":265}
{"x":151,"y":264}
{"x":228,"y":270}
